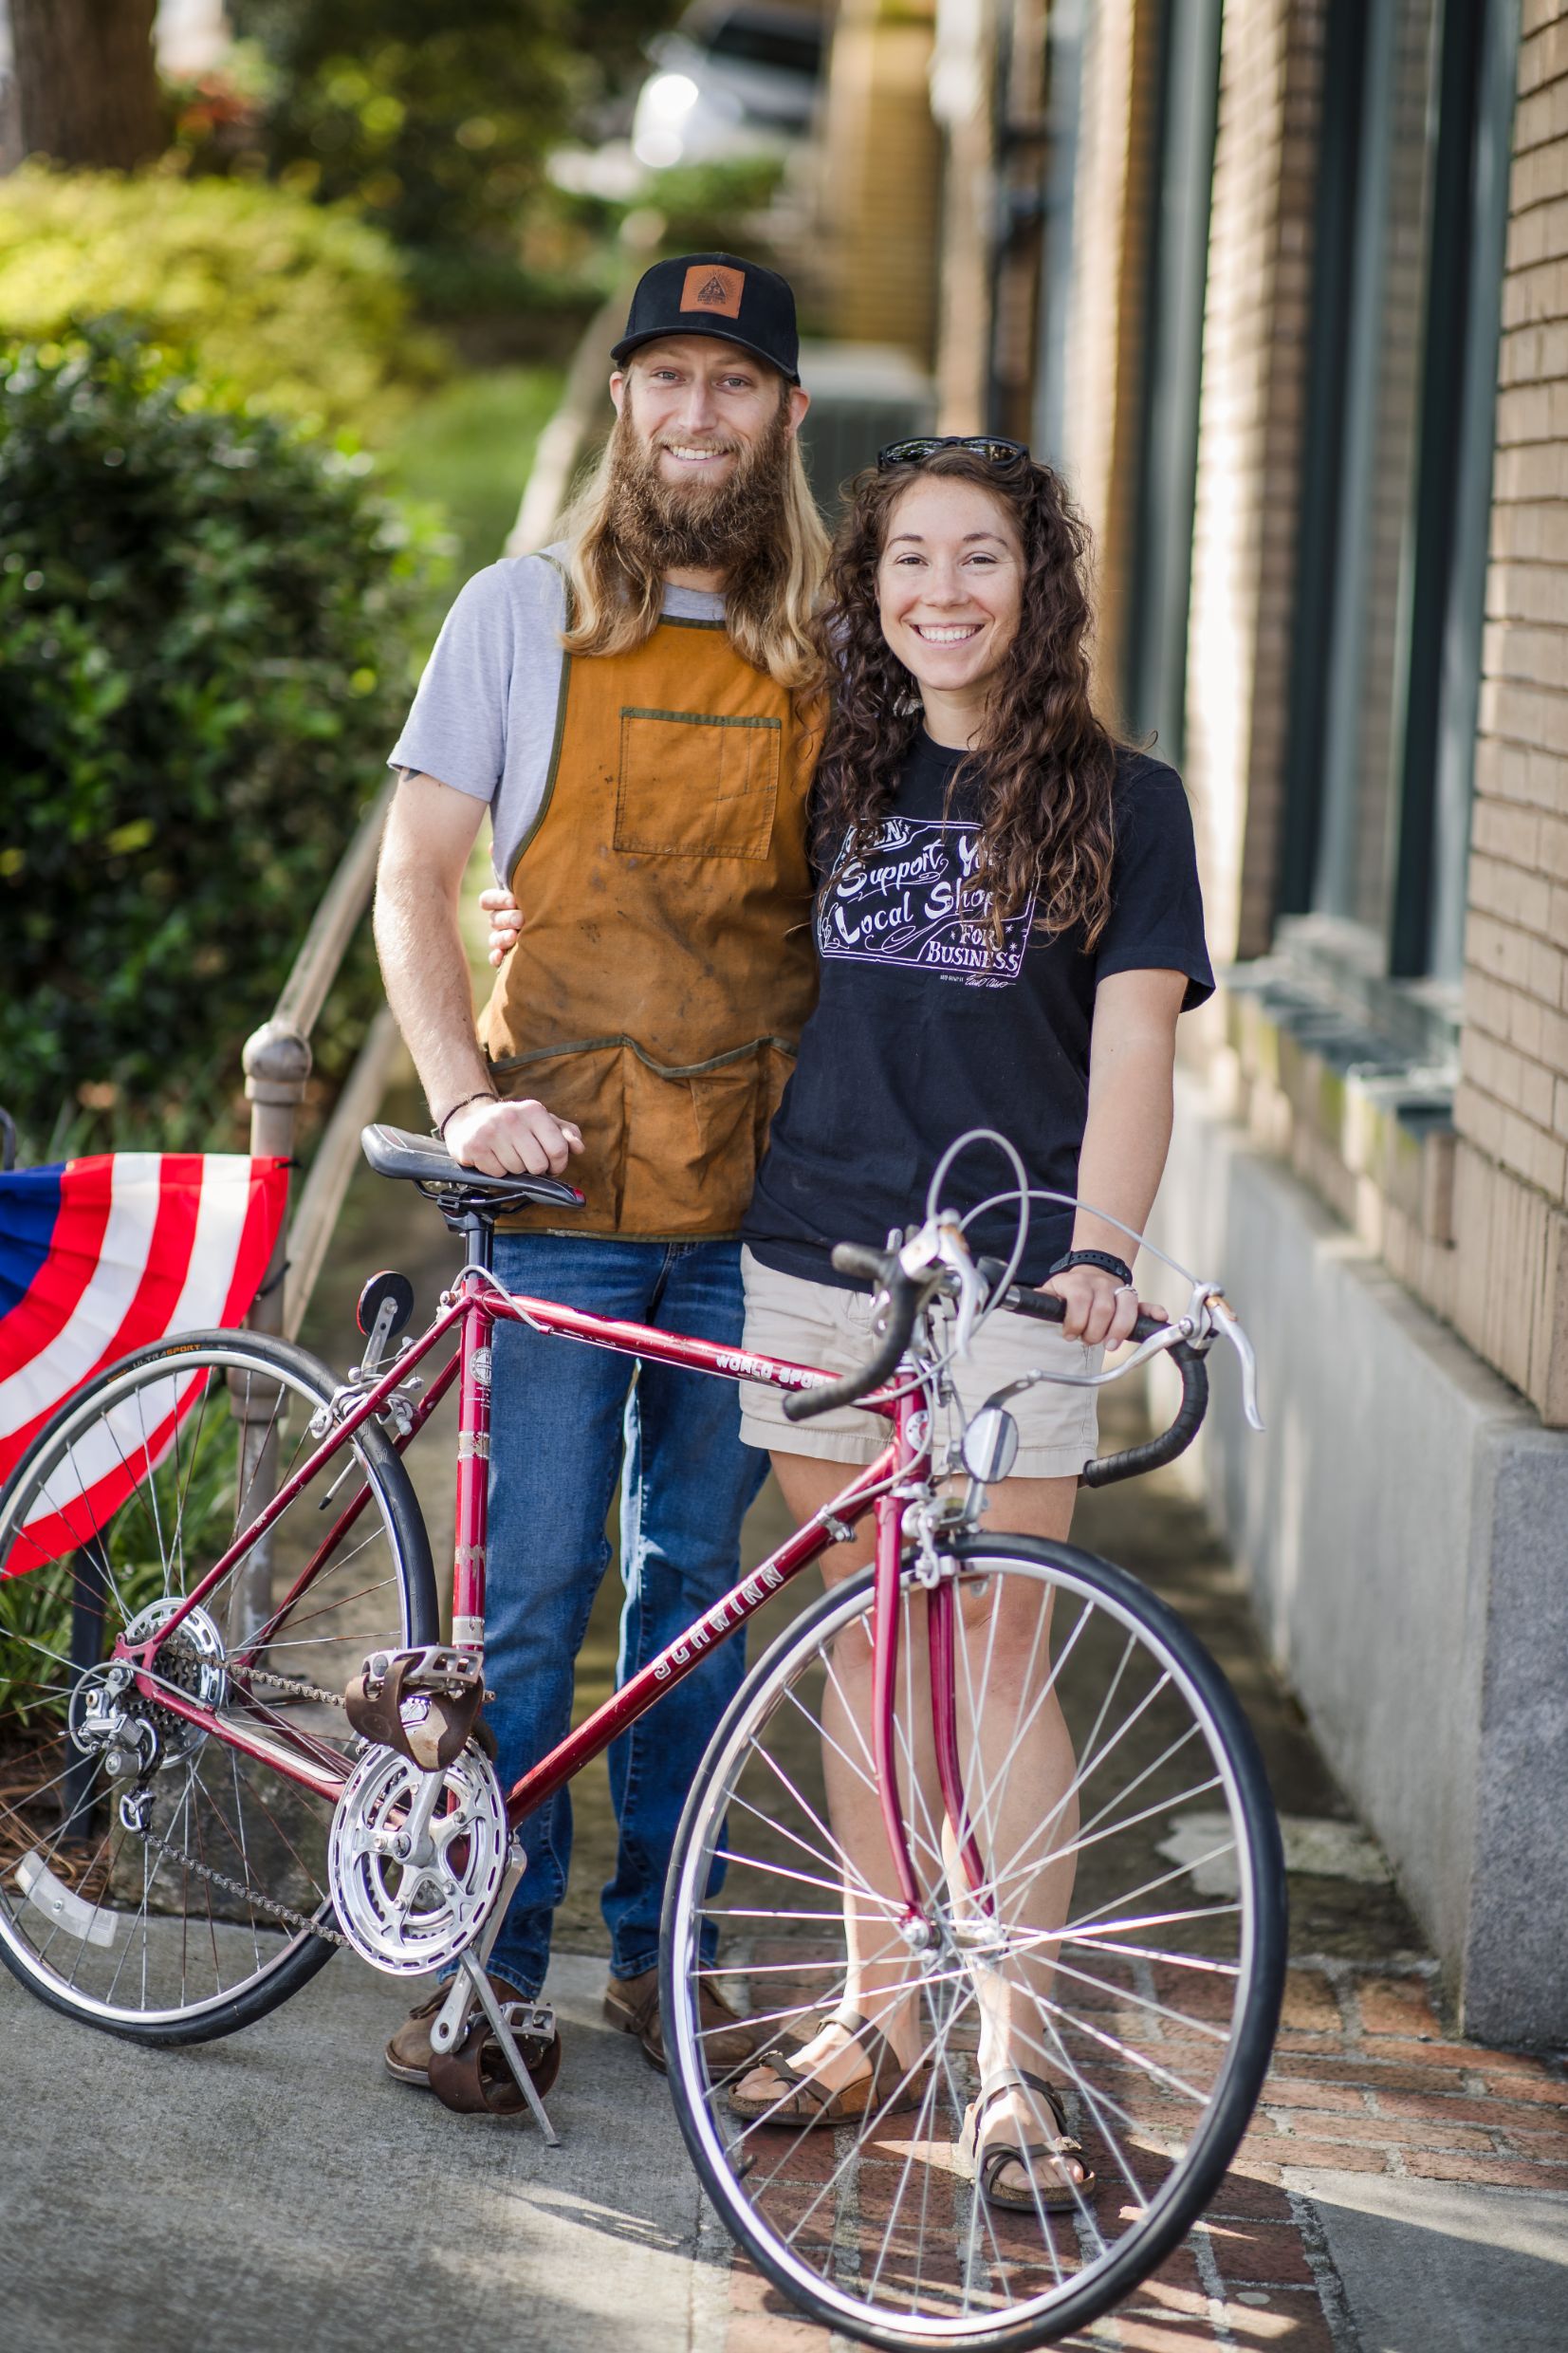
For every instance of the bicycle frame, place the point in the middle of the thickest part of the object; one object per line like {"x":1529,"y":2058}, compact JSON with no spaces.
{"x":476,"y":1305}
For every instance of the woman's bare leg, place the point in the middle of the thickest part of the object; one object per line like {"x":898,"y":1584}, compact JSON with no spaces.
{"x":877,"y":1981}
{"x":1003,"y":1665}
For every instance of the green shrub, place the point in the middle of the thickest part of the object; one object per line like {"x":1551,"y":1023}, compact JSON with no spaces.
{"x":716,"y":207}
{"x":298,"y":309}
{"x":208,"y":636}
{"x":469,"y":450}
{"x":437,"y":120}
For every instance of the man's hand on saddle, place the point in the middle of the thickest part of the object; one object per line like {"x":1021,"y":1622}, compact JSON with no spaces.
{"x":506,"y":922}
{"x":518,"y":1139}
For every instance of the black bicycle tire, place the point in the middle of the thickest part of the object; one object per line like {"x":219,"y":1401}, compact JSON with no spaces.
{"x":1184,"y":2199}
{"x":416,"y":1577}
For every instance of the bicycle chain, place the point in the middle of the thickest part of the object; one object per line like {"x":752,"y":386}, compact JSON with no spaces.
{"x":290,"y":1685}
{"x":237,"y":1887}
{"x":293,"y":1687}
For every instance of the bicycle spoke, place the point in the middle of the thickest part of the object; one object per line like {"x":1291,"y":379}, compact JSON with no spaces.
{"x":1069,"y":1960}
{"x":196,"y":1908}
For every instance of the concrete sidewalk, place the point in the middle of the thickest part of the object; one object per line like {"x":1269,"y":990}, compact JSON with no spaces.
{"x":275,"y":2193}
{"x":277,"y":2190}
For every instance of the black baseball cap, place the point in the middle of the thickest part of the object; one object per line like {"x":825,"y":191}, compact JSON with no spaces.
{"x":715,"y":294}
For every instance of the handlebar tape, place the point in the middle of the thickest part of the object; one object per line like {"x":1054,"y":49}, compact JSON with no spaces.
{"x":881,"y":1269}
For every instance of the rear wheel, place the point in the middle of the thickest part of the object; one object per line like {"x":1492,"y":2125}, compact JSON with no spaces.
{"x":1125,"y":1945}
{"x":155,"y":1882}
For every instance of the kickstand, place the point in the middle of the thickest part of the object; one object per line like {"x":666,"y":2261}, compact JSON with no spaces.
{"x":474,"y":1971}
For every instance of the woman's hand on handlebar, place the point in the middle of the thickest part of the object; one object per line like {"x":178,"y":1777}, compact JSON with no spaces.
{"x":1101,"y":1310}
{"x":506,"y":922}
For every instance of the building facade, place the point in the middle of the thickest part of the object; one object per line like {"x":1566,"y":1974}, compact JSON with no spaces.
{"x":1283,"y":288}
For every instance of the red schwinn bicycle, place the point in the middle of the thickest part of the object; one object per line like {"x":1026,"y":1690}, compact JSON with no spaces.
{"x":233,"y":1740}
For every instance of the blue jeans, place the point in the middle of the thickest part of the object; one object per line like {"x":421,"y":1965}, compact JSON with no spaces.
{"x":560,"y":1411}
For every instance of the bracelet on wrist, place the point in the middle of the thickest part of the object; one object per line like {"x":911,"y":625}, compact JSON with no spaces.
{"x":481,"y":1094}
{"x":1106,"y":1261}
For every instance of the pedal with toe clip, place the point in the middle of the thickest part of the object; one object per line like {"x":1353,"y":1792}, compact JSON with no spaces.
{"x":423,"y":1868}
{"x":423,"y":1703}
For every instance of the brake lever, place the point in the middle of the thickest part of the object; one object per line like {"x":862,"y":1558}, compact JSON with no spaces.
{"x":952,"y":1250}
{"x":1222,"y":1318}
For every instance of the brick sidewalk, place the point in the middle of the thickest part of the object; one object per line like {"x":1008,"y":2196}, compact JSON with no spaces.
{"x":1364,"y":2081}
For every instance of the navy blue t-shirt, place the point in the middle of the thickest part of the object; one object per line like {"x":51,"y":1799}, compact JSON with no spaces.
{"x":924,"y":1028}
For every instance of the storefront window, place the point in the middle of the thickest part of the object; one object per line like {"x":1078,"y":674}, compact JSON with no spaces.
{"x":1410,"y":215}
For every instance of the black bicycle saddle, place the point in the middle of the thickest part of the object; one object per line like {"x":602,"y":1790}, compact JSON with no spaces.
{"x":397,"y":1152}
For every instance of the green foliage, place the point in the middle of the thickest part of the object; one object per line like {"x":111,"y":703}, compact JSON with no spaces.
{"x":707,"y":207}
{"x":206,"y":642}
{"x":191,"y":1489}
{"x":470,"y":447}
{"x":297,"y":308}
{"x":438,"y":121}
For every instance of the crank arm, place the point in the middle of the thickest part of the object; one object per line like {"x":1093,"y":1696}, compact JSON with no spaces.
{"x":449,"y":2021}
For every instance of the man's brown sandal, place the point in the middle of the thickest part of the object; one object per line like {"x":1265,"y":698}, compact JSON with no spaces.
{"x":808,"y":2102}
{"x":1062,"y":2197}
{"x":729,"y":2041}
{"x":473,"y":2075}
{"x":475,"y":2078}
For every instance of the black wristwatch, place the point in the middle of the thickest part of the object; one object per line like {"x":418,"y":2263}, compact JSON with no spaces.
{"x":1105,"y":1260}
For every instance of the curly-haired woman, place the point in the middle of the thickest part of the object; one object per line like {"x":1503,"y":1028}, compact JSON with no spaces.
{"x":1008,"y":923}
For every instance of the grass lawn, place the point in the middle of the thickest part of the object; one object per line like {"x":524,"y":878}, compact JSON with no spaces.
{"x":470,"y":448}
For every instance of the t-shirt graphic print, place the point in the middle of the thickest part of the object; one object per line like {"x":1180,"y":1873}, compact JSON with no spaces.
{"x":913,"y":899}
{"x":895,"y":1061}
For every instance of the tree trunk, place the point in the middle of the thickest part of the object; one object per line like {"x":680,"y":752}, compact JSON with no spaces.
{"x":87,"y":88}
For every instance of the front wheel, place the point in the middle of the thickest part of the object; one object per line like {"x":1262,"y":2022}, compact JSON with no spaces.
{"x":1125,"y":1943}
{"x":155,"y":1882}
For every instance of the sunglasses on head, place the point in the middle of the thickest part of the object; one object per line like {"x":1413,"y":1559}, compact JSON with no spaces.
{"x":991,"y":446}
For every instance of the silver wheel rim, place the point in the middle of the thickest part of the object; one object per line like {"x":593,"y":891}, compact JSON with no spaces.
{"x":1075,"y":2296}
{"x":245,"y":1943}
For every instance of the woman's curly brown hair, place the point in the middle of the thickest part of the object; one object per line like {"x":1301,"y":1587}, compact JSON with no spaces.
{"x":1042,"y":768}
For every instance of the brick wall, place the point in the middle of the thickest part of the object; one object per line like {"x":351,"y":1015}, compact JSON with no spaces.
{"x":1116,"y":153}
{"x":1510,"y":1294}
{"x":1244,"y":554}
{"x":879,"y":197}
{"x":962,"y":79}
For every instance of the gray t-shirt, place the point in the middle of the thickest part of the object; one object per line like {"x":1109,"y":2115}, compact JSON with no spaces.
{"x":484,"y":720}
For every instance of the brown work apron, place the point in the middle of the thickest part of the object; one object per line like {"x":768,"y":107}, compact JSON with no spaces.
{"x":664,"y":967}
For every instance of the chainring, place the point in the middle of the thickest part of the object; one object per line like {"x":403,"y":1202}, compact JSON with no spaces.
{"x":405,"y":1911}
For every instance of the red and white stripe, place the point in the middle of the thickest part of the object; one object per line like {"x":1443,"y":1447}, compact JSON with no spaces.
{"x":164,"y":1243}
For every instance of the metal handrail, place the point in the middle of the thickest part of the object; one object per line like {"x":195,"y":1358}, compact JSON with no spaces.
{"x":277,"y":1062}
{"x":335,"y":922}
{"x":565,"y":437}
{"x":277,"y":1070}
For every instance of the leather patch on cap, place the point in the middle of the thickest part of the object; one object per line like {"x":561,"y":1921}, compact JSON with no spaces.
{"x":711,"y":287}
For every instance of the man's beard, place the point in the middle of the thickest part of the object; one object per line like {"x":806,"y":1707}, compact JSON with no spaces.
{"x":666,"y":526}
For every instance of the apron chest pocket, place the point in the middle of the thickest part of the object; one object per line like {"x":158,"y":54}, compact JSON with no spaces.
{"x":696,"y":787}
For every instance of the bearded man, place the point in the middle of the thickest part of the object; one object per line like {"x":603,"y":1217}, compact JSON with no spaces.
{"x":633,"y":706}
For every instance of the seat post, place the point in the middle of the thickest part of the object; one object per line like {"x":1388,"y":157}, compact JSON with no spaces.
{"x":478,"y":1238}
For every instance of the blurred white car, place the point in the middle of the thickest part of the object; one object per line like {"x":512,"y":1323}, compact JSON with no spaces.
{"x":736,"y":78}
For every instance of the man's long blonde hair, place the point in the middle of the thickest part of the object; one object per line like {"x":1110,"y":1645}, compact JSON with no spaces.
{"x":615,"y":602}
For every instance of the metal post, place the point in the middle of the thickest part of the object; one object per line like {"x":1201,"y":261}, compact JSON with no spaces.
{"x":277,"y":1065}
{"x":80,"y":1795}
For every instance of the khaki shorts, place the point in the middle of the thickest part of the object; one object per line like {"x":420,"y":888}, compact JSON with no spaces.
{"x":817,"y":1323}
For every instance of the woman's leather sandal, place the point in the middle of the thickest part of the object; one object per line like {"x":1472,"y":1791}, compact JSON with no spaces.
{"x":808,"y":2102}
{"x":1063,"y":2196}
